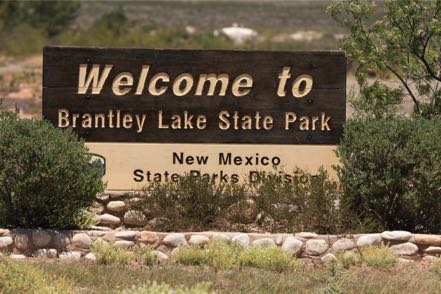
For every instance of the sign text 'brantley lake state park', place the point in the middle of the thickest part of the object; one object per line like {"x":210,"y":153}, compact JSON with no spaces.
{"x":154,"y":114}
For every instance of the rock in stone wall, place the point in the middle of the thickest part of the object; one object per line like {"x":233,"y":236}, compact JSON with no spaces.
{"x":118,"y":210}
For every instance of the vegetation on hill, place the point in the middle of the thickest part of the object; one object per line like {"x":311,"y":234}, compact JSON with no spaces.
{"x":52,"y":17}
{"x":27,"y":26}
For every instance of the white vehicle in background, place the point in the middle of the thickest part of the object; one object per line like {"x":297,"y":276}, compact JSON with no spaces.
{"x":238,"y":34}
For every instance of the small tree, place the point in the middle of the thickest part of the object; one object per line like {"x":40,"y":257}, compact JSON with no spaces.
{"x":46,"y":179}
{"x":405,"y":42}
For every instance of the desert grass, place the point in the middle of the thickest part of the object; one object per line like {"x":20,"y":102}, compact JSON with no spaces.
{"x":379,"y":257}
{"x":220,"y":267}
{"x":96,"y":278}
{"x":109,"y":254}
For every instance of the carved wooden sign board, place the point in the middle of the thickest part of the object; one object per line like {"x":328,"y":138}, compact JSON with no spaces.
{"x":150,"y":115}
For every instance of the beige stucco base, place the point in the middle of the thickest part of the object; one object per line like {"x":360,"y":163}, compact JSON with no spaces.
{"x":122,"y":159}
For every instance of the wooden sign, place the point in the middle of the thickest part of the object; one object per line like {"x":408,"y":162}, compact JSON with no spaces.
{"x":196,"y":96}
{"x":151,"y":96}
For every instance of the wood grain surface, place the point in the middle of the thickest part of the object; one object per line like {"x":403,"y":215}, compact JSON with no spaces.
{"x":328,"y":95}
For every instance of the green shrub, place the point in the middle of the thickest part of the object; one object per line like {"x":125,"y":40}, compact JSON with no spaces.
{"x":217,"y":253}
{"x":391,"y":175}
{"x":45,"y":176}
{"x":190,"y":255}
{"x":145,"y":256}
{"x":155,"y":288}
{"x":269,"y":258}
{"x":220,"y":254}
{"x":109,"y":254}
{"x":379,"y":257}
{"x":348,"y":259}
{"x":20,"y":277}
{"x":306,"y":202}
{"x":85,"y":219}
{"x":192,"y":203}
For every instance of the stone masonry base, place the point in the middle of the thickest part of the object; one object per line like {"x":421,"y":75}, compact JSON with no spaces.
{"x":75,"y":245}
